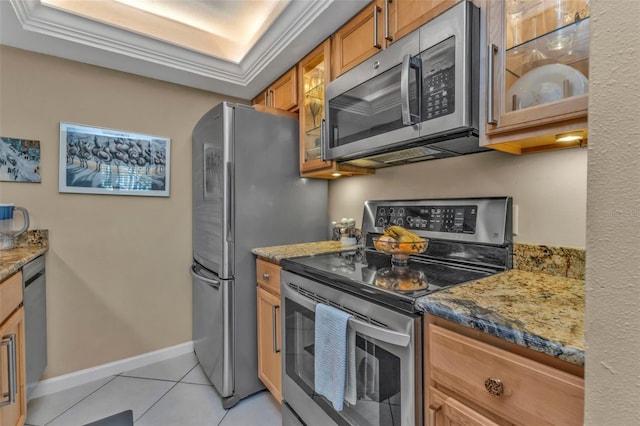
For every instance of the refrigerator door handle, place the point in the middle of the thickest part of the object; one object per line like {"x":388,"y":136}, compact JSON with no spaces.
{"x":215,"y":284}
{"x":230,"y":197}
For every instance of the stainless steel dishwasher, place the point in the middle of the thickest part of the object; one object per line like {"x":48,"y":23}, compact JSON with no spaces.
{"x":35,"y":320}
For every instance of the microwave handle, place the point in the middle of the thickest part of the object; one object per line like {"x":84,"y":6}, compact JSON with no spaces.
{"x":323,"y":140}
{"x":388,"y":336}
{"x":409,"y":62}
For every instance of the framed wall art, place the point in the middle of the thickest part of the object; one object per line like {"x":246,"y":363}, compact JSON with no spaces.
{"x":19,"y":160}
{"x":97,"y":160}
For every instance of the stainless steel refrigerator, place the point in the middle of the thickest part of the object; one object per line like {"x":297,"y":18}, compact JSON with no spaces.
{"x":247,"y":192}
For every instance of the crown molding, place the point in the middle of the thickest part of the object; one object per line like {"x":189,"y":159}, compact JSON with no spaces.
{"x":300,"y":27}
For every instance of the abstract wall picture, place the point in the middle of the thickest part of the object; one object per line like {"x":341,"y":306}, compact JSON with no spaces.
{"x":96,"y":160}
{"x":19,"y":160}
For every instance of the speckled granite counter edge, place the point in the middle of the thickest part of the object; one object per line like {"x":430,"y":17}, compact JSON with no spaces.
{"x":522,"y":338}
{"x":275,"y":254}
{"x":554,"y":260}
{"x":28,"y":246}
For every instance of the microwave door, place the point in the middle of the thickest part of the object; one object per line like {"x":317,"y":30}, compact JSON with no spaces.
{"x":367,"y":105}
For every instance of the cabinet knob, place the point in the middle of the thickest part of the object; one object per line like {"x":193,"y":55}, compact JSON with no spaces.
{"x":265,"y":275}
{"x":494,"y":386}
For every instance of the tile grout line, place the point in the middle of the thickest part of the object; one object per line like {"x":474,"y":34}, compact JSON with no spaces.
{"x":158,"y":400}
{"x":82,"y":399}
{"x":164,"y":394}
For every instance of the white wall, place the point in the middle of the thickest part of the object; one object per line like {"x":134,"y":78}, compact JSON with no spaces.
{"x":549,"y":189}
{"x":613,"y":217}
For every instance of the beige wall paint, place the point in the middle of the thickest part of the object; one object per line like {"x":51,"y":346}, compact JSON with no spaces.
{"x":117,"y":268}
{"x":613,"y":217}
{"x":549,"y":189}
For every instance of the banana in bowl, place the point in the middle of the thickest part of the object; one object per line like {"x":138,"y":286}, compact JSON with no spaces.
{"x":398,"y":240}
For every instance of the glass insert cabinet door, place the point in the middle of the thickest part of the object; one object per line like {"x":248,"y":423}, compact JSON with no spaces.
{"x":314,"y":74}
{"x":379,"y":372}
{"x":546,"y":51}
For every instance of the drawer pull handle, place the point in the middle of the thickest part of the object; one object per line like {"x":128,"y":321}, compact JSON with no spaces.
{"x":12,"y":370}
{"x":433,"y":411}
{"x":265,"y":276}
{"x":494,"y":386}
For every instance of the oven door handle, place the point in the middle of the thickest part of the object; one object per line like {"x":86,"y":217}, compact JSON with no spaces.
{"x":382,"y":334}
{"x":388,"y":336}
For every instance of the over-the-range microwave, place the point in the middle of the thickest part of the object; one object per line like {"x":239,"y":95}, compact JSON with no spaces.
{"x":416,"y":100}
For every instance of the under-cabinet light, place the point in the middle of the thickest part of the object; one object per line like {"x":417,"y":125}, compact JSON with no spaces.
{"x":569,"y":137}
{"x":336,"y":174}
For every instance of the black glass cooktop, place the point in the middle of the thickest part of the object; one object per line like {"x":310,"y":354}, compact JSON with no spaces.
{"x":370,"y":274}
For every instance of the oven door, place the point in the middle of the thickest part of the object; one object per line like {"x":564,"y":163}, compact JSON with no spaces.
{"x":388,"y":359}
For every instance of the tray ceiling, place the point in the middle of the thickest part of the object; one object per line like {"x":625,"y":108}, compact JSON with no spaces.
{"x":233,"y":47}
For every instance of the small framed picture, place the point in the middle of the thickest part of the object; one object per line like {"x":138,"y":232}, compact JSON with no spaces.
{"x":19,"y":160}
{"x":97,"y":160}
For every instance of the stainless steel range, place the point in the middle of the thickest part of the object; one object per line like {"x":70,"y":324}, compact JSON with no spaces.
{"x":468,"y":238}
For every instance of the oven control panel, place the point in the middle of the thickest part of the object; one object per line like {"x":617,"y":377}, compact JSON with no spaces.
{"x":452,"y":219}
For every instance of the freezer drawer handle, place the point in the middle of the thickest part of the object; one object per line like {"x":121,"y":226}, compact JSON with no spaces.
{"x":10,"y":342}
{"x":211,"y":283}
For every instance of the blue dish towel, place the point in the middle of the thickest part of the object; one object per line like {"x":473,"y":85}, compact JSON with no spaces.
{"x":330,"y":357}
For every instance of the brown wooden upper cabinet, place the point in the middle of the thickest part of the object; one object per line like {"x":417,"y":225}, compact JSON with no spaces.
{"x":313,"y":72}
{"x":282,"y":94}
{"x":377,"y":26}
{"x":538,"y":70}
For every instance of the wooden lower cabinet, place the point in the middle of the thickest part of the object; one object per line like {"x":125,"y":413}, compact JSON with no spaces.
{"x":447,"y":411}
{"x":269,"y":338}
{"x":13,"y":401}
{"x":474,"y":379}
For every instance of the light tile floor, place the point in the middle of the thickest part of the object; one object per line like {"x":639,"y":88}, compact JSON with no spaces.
{"x":174,"y":392}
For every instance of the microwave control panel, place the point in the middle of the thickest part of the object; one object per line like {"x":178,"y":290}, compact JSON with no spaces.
{"x":451,"y":219}
{"x":438,"y":81}
{"x":438,"y":94}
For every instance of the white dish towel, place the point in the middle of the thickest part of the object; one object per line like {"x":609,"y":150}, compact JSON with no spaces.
{"x":334,"y":357}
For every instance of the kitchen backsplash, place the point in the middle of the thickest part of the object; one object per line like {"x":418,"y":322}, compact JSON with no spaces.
{"x":563,"y":261}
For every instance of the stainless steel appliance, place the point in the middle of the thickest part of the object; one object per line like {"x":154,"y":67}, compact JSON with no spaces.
{"x":35,"y":320}
{"x":469,"y":238}
{"x":246,"y":193}
{"x":416,"y":100}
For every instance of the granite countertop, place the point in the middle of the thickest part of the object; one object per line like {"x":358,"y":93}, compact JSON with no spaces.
{"x":275,"y":254}
{"x":540,"y":305}
{"x":536,"y":310}
{"x":29,"y":245}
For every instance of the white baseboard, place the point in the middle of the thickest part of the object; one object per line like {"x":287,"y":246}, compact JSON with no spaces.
{"x":66,"y":381}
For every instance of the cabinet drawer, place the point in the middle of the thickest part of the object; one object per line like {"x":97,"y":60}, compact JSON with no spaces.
{"x":268,"y":275}
{"x":529,"y":392}
{"x":10,"y":295}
